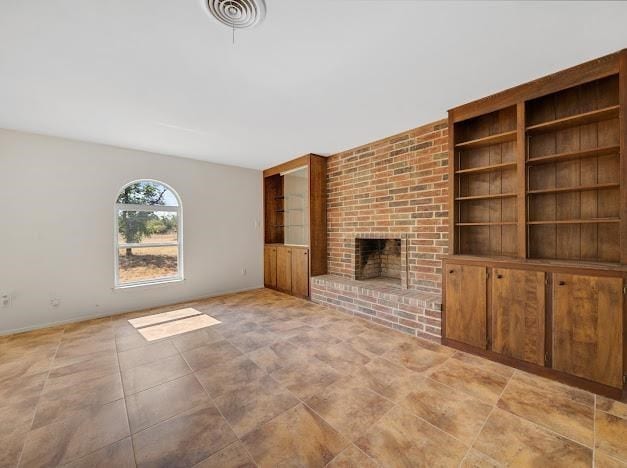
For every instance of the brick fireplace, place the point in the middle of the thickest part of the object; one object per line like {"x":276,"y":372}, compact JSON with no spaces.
{"x":381,"y":257}
{"x":387,"y":217}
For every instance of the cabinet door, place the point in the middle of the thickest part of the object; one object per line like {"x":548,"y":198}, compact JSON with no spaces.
{"x":269,"y":267}
{"x":284,"y":269}
{"x":588,"y":327}
{"x":300,"y":272}
{"x":518,"y":314}
{"x":466,"y":309}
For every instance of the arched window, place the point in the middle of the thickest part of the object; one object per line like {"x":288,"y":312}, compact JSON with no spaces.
{"x":148,"y":234}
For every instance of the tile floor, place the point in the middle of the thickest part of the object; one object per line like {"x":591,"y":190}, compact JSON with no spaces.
{"x":284,"y":382}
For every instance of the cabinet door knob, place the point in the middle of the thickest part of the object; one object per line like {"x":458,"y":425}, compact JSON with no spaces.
{"x":562,"y":283}
{"x":451,"y":271}
{"x":499,"y":276}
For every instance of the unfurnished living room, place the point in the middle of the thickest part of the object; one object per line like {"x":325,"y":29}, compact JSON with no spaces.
{"x":313,"y":233}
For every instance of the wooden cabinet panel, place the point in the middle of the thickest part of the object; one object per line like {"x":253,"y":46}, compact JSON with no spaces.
{"x":518,"y":314}
{"x":269,"y":267}
{"x":300,"y":272}
{"x":588,"y":327}
{"x":284,"y":269}
{"x":466,"y":304}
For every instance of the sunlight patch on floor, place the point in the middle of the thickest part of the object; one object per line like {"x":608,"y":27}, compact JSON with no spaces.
{"x":165,"y":330}
{"x":164,"y":317}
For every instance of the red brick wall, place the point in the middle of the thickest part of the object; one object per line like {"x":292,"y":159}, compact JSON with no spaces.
{"x":396,"y":185}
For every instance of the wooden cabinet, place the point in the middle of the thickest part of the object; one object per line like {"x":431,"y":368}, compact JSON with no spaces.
{"x":269,"y":267}
{"x":466,"y":305}
{"x":300,"y":272}
{"x":284,"y":269}
{"x":518,"y":314}
{"x":295,"y":223}
{"x":588,"y":327}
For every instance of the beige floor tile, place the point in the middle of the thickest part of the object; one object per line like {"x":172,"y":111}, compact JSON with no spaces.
{"x":476,"y":459}
{"x":229,"y":376}
{"x":352,"y":457}
{"x":130,"y":340}
{"x":248,"y":406}
{"x":158,"y":403}
{"x":553,"y":410}
{"x":146,"y":354}
{"x":614,"y":407}
{"x":298,"y":437}
{"x":196,"y":339}
{"x":416,"y":357}
{"x":387,"y":379}
{"x":119,"y":455}
{"x":603,"y":460}
{"x":85,"y":431}
{"x":314,"y":339}
{"x":349,"y":407}
{"x":611,"y":435}
{"x":402,"y":439}
{"x":183,"y":440}
{"x":63,"y":395}
{"x":485,"y":364}
{"x":517,"y":442}
{"x":306,"y":381}
{"x":343,"y":357}
{"x":475,"y":380}
{"x":11,"y":442}
{"x":453,"y":411}
{"x":210,"y":354}
{"x":233,"y":456}
{"x":145,"y":376}
{"x":252,"y":340}
{"x":279,"y":355}
{"x":88,"y":366}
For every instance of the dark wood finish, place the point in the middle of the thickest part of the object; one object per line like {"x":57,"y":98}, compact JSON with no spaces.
{"x":466,"y":305}
{"x":300,"y":272}
{"x":269,"y":267}
{"x":588,"y":327}
{"x":521,"y":153}
{"x":488,"y":140}
{"x":316,"y":250}
{"x":569,"y":155}
{"x":518,"y":314}
{"x":574,"y":120}
{"x":284,"y":269}
{"x":318,"y":215}
{"x":623,"y":160}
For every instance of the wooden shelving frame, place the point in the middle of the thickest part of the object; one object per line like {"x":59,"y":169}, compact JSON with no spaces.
{"x":539,"y":171}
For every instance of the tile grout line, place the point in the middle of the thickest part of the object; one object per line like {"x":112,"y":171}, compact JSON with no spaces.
{"x":128,"y":419}
{"x":19,"y":459}
{"x":222,"y":416}
{"x":494,"y":406}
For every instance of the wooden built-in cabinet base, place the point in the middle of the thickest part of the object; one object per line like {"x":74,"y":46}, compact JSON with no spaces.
{"x":558,"y":320}
{"x":286,"y":269}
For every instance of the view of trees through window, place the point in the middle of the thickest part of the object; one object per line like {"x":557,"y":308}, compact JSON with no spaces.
{"x":147,"y":233}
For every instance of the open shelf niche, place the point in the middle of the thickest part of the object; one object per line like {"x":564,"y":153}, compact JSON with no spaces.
{"x":485,"y":184}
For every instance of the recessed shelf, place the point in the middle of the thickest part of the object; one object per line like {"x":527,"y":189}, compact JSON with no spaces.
{"x":590,"y":153}
{"x":500,"y":223}
{"x":580,"y":188}
{"x":573,"y":120}
{"x":577,"y":221}
{"x":486,"y":197}
{"x":489,"y":140}
{"x":490,"y":168}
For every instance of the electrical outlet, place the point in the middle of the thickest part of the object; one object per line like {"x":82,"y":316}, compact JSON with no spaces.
{"x":244,"y":272}
{"x":55,"y":302}
{"x":5,"y":299}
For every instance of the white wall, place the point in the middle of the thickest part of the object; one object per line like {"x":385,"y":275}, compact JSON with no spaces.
{"x":56,"y":228}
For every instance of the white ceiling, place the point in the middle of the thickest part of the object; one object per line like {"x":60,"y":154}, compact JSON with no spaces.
{"x":317,"y":76}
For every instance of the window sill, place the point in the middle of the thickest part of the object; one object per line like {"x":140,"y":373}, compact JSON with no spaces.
{"x":148,"y":284}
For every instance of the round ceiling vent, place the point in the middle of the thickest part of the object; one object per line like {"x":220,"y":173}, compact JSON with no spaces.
{"x":238,"y":13}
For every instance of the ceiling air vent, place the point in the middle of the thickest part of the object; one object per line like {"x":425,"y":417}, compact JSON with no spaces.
{"x":238,"y":14}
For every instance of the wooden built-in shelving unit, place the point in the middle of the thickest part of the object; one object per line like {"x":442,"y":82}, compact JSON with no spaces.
{"x":537,"y":263}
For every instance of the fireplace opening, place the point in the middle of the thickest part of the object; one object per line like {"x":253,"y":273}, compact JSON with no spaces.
{"x":379,"y":260}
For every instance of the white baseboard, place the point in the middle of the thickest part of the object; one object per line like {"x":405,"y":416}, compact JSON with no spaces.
{"x":96,"y":316}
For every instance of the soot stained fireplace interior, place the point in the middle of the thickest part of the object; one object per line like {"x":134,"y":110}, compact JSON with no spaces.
{"x":378,"y":259}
